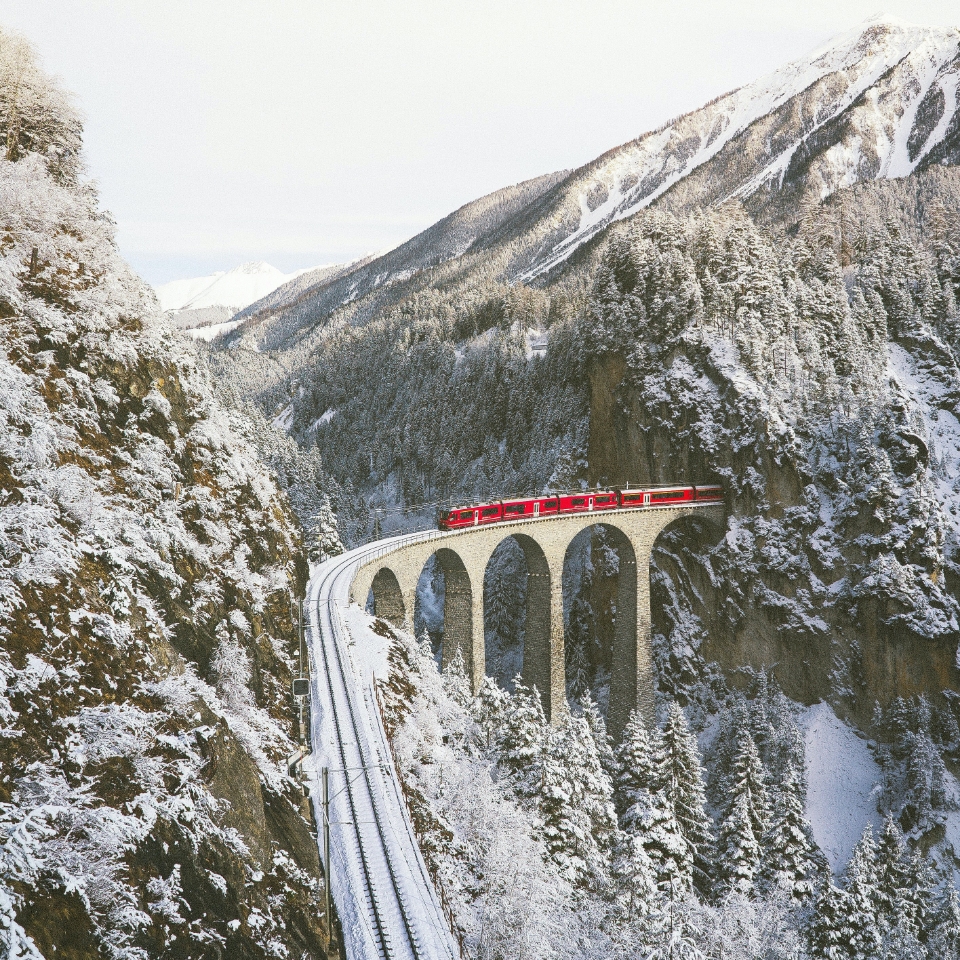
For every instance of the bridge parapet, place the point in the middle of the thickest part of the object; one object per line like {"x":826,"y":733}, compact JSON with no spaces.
{"x":463,"y":555}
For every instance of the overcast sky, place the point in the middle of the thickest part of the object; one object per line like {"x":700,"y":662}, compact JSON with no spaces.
{"x":303,"y":132}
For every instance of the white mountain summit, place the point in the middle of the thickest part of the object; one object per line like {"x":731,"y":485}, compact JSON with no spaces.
{"x":204,"y":306}
{"x":234,"y":289}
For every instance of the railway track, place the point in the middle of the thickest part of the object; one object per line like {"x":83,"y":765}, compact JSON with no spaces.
{"x":385,"y":900}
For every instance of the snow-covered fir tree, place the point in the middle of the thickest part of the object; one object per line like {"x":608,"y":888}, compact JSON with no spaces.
{"x":645,"y":810}
{"x":683,"y":786}
{"x":864,"y":928}
{"x":945,"y":938}
{"x":524,"y":735}
{"x":575,"y":799}
{"x":790,"y":862}
{"x":746,"y":820}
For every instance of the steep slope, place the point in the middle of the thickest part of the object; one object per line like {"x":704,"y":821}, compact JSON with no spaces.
{"x":824,"y":399}
{"x":147,"y":560}
{"x":876,"y":102}
{"x":375,"y":283}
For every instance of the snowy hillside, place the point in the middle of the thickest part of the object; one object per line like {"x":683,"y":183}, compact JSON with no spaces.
{"x":878,"y":101}
{"x":147,"y":558}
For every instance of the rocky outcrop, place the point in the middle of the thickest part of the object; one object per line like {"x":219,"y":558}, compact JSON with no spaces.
{"x":147,"y":561}
{"x":834,"y":573}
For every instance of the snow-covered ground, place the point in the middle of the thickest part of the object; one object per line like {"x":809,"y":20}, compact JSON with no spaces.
{"x":843,"y":782}
{"x":385,"y":900}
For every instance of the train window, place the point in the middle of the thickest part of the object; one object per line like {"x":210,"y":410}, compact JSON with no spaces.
{"x":466,"y":514}
{"x":514,"y":508}
{"x":632,"y":497}
{"x":669,"y":495}
{"x":602,"y":500}
{"x":578,"y":502}
{"x":549,"y":505}
{"x":490,"y":512}
{"x":453,"y":515}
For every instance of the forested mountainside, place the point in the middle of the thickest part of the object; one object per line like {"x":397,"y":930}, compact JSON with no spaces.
{"x":689,"y":839}
{"x":370,"y":282}
{"x":147,"y":561}
{"x":876,"y":102}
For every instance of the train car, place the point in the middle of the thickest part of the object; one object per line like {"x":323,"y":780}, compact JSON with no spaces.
{"x":530,"y":508}
{"x":461,"y":517}
{"x":657,"y":497}
{"x":589,"y":500}
{"x":713,"y":492}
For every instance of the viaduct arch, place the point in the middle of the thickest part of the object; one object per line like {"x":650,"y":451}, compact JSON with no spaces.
{"x":463,"y":556}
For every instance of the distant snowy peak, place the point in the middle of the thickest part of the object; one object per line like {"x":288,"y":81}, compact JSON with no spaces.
{"x":233,"y":289}
{"x":876,"y":101}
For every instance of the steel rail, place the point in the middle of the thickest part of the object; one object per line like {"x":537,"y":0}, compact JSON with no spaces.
{"x":344,"y":715}
{"x":370,"y":891}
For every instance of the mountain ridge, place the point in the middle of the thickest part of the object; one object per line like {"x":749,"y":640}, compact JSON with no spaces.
{"x":877,"y":100}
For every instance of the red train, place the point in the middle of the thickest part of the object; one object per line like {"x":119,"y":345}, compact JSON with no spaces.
{"x":501,"y":511}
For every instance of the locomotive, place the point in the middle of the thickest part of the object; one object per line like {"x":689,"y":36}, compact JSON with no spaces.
{"x":587,"y":501}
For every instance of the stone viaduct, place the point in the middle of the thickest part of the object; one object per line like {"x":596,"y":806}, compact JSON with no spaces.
{"x":463,"y":557}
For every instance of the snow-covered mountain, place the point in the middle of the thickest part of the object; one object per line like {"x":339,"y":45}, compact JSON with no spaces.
{"x":234,"y":289}
{"x":204,"y":306}
{"x":878,"y":101}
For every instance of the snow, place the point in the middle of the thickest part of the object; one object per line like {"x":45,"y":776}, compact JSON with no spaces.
{"x":368,"y":650}
{"x":324,"y":417}
{"x":635,"y":175}
{"x":371,"y":835}
{"x":213,"y":331}
{"x":842,"y":783}
{"x":284,"y":419}
{"x":236,"y":288}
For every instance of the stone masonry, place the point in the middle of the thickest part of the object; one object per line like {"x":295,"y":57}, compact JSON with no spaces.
{"x":463,"y":556}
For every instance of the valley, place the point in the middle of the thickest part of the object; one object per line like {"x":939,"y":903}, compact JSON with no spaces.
{"x":732,"y":733}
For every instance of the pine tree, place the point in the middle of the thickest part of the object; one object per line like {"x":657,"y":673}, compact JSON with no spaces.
{"x":636,"y":770}
{"x":944,"y":941}
{"x":575,"y":801}
{"x":457,"y":685}
{"x":746,"y":821}
{"x":734,"y":718}
{"x":601,"y":738}
{"x":900,"y":942}
{"x":829,"y":935}
{"x":522,"y":742}
{"x":645,"y":811}
{"x":865,"y":931}
{"x":633,"y":875}
{"x":917,"y":899}
{"x":685,"y":792}
{"x":891,"y":871}
{"x":790,"y":862}
{"x":490,"y":709}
